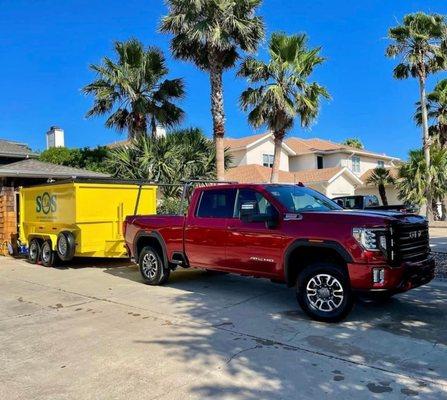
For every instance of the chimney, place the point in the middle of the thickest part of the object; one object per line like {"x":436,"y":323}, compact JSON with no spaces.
{"x":55,"y":137}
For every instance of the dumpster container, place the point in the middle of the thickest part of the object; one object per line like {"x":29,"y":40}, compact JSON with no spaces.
{"x":80,"y":218}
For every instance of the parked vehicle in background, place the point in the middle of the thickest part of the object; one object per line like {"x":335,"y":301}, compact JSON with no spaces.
{"x":79,"y":218}
{"x":370,"y":202}
{"x":287,"y":233}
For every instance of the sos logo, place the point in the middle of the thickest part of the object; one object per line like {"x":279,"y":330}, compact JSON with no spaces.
{"x":46,"y":203}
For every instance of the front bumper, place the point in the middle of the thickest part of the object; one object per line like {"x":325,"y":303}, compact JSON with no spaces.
{"x":396,"y":279}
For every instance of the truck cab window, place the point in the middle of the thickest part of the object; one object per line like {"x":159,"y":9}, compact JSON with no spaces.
{"x":217,"y":203}
{"x":262,"y":205}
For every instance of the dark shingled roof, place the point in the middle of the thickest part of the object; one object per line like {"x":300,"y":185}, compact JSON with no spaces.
{"x":38,"y":169}
{"x":9,"y":148}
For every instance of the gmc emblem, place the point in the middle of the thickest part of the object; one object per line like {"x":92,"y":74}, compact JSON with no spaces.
{"x":415,"y":234}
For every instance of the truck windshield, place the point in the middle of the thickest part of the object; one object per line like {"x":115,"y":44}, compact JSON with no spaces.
{"x":301,"y":199}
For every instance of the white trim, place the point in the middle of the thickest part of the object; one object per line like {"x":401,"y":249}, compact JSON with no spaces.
{"x":350,"y":173}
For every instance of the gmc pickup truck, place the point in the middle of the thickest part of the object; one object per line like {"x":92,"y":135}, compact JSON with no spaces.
{"x":287,"y":233}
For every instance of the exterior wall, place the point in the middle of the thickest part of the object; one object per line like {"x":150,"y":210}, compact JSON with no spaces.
{"x":239,"y":157}
{"x":254,"y":154}
{"x":8,"y":219}
{"x":341,"y":186}
{"x":391,"y":193}
{"x":303,"y":162}
{"x":366,"y":163}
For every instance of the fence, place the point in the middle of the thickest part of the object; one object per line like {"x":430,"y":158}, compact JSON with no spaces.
{"x":8,"y":219}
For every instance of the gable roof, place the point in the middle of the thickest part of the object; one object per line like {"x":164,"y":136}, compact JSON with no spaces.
{"x":10,"y":148}
{"x":254,"y":173}
{"x":31,"y":168}
{"x":244,"y":142}
{"x":317,"y":145}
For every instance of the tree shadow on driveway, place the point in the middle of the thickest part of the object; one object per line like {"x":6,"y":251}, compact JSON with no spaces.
{"x":254,"y":342}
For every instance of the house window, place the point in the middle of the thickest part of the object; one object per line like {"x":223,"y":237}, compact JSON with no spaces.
{"x":320,"y":162}
{"x":381,"y":164}
{"x":267,"y":160}
{"x":355,"y":163}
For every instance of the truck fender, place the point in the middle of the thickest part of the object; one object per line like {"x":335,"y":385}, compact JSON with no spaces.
{"x":301,"y":243}
{"x":154,"y":235}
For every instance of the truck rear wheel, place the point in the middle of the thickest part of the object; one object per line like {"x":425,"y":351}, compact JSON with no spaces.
{"x":47,"y":254}
{"x":34,"y":251}
{"x":152,"y":268}
{"x":324,"y":293}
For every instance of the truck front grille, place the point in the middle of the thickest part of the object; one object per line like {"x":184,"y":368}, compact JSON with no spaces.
{"x":411,"y":241}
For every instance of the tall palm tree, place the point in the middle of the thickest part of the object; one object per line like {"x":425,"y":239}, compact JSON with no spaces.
{"x":412,"y":184}
{"x":282,"y":92}
{"x":420,"y":41}
{"x":436,"y":112}
{"x":380,"y":178}
{"x":210,"y":33}
{"x":134,"y":91}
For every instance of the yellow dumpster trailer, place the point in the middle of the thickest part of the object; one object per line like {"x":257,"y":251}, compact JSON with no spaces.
{"x":80,"y":218}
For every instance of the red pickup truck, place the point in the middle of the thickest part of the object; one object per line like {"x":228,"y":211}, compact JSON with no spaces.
{"x":287,"y":233}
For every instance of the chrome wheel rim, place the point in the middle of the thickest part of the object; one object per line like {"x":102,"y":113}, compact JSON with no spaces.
{"x":62,"y":245}
{"x":33,"y":250}
{"x":325,"y":292}
{"x":46,"y":253}
{"x":150,"y":265}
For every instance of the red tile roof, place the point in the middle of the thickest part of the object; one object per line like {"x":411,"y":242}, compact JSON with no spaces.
{"x":254,"y":173}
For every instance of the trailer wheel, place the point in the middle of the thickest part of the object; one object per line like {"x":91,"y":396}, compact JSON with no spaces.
{"x":65,"y":245}
{"x":47,"y":254}
{"x":151,"y":267}
{"x":34,"y":251}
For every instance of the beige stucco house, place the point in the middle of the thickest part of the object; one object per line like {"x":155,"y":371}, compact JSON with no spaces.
{"x":331,"y":168}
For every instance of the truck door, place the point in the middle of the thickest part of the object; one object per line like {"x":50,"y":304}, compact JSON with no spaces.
{"x":206,"y":228}
{"x":252,"y":246}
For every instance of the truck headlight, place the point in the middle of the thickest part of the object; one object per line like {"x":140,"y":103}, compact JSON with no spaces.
{"x":371,"y":239}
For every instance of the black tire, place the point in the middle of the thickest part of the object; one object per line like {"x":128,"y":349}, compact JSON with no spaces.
{"x":65,"y":246}
{"x":47,"y":254}
{"x":34,"y":251}
{"x":152,"y":268}
{"x":324,"y":292}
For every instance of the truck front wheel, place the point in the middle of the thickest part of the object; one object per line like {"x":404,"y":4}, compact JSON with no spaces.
{"x":324,"y":293}
{"x":151,"y":267}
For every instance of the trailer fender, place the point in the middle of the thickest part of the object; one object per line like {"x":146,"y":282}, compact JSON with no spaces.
{"x":44,"y":236}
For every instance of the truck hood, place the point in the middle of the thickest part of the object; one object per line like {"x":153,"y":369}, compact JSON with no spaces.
{"x":361,"y":217}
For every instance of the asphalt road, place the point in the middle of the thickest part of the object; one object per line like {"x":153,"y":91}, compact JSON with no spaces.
{"x":438,"y":239}
{"x":99,"y":333}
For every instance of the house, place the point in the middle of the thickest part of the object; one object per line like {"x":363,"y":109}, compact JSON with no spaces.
{"x":331,"y":168}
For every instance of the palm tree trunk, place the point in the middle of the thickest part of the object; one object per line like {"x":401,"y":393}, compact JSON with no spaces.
{"x":382,"y":193}
{"x":426,"y":144}
{"x":279,"y":136}
{"x":217,"y":111}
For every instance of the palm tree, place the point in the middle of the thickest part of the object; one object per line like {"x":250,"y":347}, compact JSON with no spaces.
{"x":421,"y":43}
{"x":282,"y":92}
{"x":380,"y":178}
{"x":210,"y":33}
{"x":133,"y":90}
{"x":353,"y":142}
{"x":412,"y":184}
{"x":181,"y":155}
{"x":436,"y":112}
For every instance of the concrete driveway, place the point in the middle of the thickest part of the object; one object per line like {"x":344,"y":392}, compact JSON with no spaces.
{"x":99,"y":333}
{"x":438,"y":239}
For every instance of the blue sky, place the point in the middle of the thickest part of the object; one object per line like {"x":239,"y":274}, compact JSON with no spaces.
{"x":46,"y":47}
